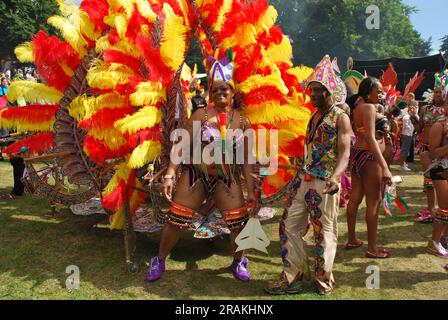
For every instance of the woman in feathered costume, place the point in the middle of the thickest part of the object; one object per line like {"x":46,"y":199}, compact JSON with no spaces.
{"x":133,"y":51}
{"x":221,"y":181}
{"x":437,"y":169}
{"x":430,"y":115}
{"x":438,"y":172}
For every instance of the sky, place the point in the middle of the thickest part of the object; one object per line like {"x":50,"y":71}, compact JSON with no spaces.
{"x":430,"y":21}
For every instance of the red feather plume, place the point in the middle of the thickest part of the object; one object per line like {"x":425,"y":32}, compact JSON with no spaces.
{"x":114,"y":201}
{"x":264,"y":94}
{"x":96,"y":10}
{"x":98,"y":152}
{"x":113,"y":56}
{"x":390,"y":77}
{"x":105,"y":118}
{"x":36,"y":145}
{"x":31,"y":113}
{"x":49,"y":53}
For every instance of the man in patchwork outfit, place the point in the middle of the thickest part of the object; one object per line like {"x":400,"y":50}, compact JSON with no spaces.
{"x":327,"y":154}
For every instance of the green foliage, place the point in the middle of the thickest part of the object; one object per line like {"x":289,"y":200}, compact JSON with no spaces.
{"x":195,"y":56}
{"x":20,"y":20}
{"x":444,"y":47}
{"x":338,"y":27}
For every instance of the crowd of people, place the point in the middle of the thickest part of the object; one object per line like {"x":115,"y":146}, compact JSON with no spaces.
{"x":20,"y":73}
{"x":350,"y":146}
{"x":359,"y":139}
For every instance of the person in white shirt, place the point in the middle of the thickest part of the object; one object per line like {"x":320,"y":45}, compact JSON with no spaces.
{"x":407,"y":134}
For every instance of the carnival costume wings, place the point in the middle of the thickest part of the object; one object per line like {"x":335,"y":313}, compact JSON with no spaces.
{"x":106,"y":106}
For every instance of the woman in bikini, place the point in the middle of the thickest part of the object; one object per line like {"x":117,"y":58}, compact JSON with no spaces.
{"x":370,"y":172}
{"x":430,"y":115}
{"x":219,"y":181}
{"x":438,"y":173}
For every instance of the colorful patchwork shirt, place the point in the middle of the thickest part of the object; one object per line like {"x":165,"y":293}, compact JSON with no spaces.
{"x":322,"y":145}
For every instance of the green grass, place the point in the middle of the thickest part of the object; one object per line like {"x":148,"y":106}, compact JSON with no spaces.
{"x":37,"y":246}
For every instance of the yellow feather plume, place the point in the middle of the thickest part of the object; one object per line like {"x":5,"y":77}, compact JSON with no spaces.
{"x":112,"y":138}
{"x":267,"y":20}
{"x":102,"y":44}
{"x":272,"y":113}
{"x":223,"y":12}
{"x":184,"y":7}
{"x":123,"y":46}
{"x":145,"y":30}
{"x":117,"y":5}
{"x":127,"y":48}
{"x":70,"y":33}
{"x":301,"y":73}
{"x":87,"y":27}
{"x":146,"y":117}
{"x":24,"y":52}
{"x":281,"y":52}
{"x":144,"y":154}
{"x":257,"y":81}
{"x":33,"y":92}
{"x":244,"y":35}
{"x":185,"y":74}
{"x":118,"y":218}
{"x":67,"y":7}
{"x":119,"y":22}
{"x":84,"y":107}
{"x":173,"y":44}
{"x":117,"y":222}
{"x":297,"y":127}
{"x":285,"y":136}
{"x":200,"y":3}
{"x":104,"y":76}
{"x":148,"y":93}
{"x":21,"y":127}
{"x":145,"y":10}
{"x":122,"y":172}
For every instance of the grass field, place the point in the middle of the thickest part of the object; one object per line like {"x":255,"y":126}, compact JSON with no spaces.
{"x":37,"y":246}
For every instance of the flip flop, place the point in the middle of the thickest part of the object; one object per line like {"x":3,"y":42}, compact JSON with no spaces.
{"x":383,"y":254}
{"x":350,"y":246}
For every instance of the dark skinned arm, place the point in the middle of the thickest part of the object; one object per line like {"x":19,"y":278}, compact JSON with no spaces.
{"x":435,"y":140}
{"x":344,"y":131}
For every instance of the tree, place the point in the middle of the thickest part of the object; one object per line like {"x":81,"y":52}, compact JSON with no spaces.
{"x":338,"y":27}
{"x":444,"y":47}
{"x":20,"y":20}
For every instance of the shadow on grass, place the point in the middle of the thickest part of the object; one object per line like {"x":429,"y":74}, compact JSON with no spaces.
{"x":403,"y":280}
{"x":37,"y":246}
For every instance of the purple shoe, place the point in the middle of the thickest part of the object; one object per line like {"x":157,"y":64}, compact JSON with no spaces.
{"x":239,"y":269}
{"x":156,"y":269}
